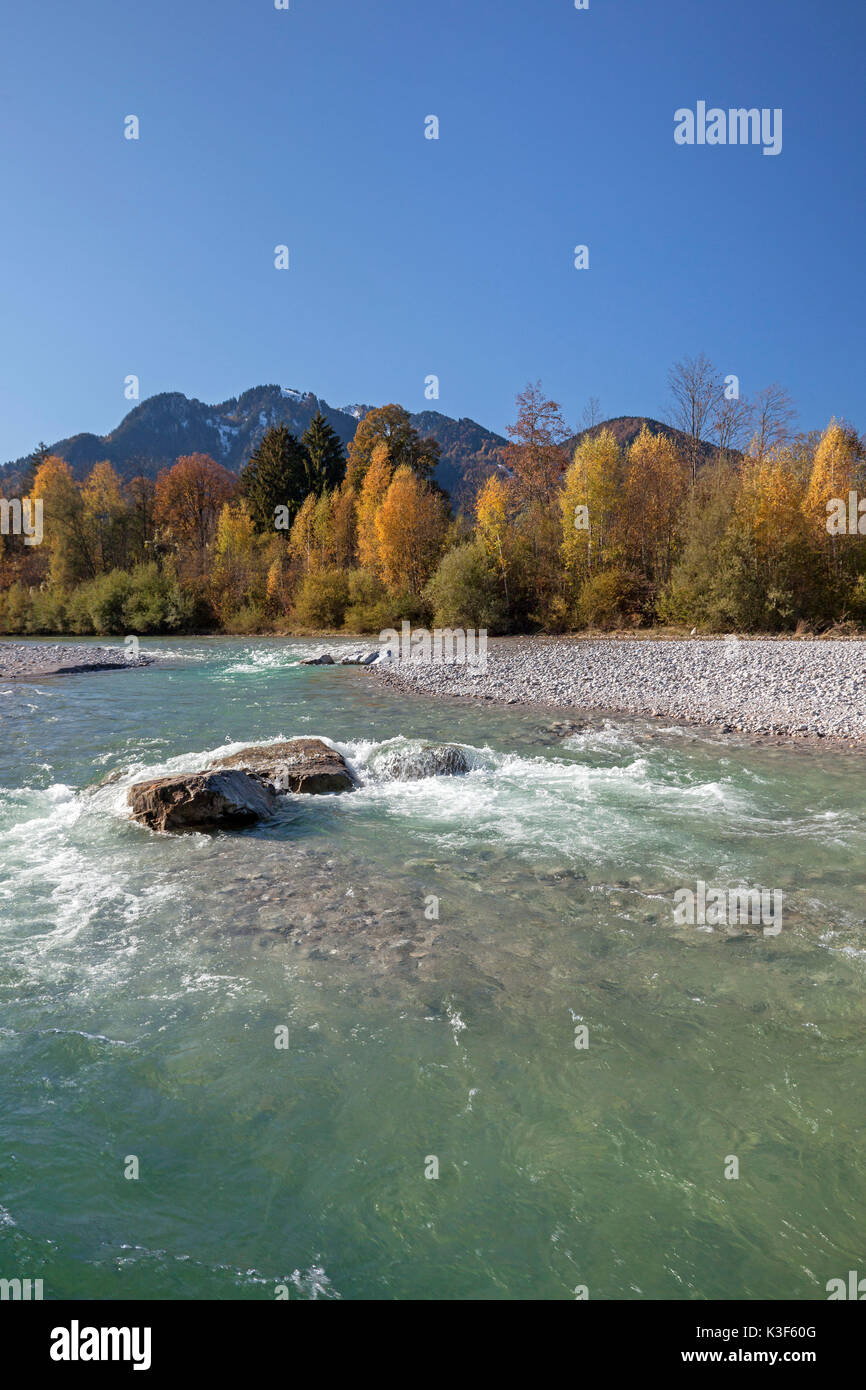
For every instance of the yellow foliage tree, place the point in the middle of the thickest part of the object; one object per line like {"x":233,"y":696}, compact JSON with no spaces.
{"x":833,"y":473}
{"x":277,"y":591}
{"x":323,"y":529}
{"x":234,"y":555}
{"x":104,"y":513}
{"x":770,"y":502}
{"x":63,"y":522}
{"x":589,"y":503}
{"x":302,"y":537}
{"x":376,"y":482}
{"x":344,"y":524}
{"x":491,"y":515}
{"x":410,"y":526}
{"x":657,"y":484}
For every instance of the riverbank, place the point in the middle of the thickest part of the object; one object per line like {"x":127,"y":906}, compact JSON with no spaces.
{"x":800,"y":690}
{"x":35,"y":660}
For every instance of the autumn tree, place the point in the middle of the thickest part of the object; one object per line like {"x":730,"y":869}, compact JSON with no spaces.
{"x":536,"y":457}
{"x":410,"y":527}
{"x":302,"y":538}
{"x":323,"y":529}
{"x":491,"y":516}
{"x":64,"y":526}
{"x":391,"y":425}
{"x":233,"y":561}
{"x":344,"y":524}
{"x":32,"y":464}
{"x":589,"y":505}
{"x":105,"y":516}
{"x":833,"y":472}
{"x":774,"y":552}
{"x":837,"y":470}
{"x":141,"y":495}
{"x":656,"y":485}
{"x":377,"y":480}
{"x":189,"y":499}
{"x":278,"y":587}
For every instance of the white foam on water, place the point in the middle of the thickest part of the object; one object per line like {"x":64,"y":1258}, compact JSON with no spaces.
{"x":314,"y":1283}
{"x":257,"y":660}
{"x":67,"y":865}
{"x":540,"y":804}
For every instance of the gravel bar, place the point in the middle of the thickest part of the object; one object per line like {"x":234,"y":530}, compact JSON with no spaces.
{"x":787,"y":689}
{"x":33,"y":660}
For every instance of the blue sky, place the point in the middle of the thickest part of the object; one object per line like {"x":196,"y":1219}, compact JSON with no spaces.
{"x":412,"y":257}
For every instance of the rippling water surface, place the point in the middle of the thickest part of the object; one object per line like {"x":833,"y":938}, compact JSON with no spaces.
{"x":142,"y":979}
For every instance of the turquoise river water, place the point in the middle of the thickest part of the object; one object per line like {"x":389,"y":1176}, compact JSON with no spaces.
{"x":143,"y":979}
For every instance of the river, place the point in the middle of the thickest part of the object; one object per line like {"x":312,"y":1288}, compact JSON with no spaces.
{"x":495,"y":990}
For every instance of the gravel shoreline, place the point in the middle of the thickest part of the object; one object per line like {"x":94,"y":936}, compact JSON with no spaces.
{"x":786,"y":690}
{"x":34,"y":660}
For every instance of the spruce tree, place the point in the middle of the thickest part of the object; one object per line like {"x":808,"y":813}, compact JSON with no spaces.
{"x":326,"y":454}
{"x":31,"y":467}
{"x":277,"y":475}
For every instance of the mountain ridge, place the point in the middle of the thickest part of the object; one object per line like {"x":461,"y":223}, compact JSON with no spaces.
{"x":158,"y":430}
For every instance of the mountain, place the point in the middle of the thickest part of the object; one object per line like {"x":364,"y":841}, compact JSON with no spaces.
{"x":626,"y":428}
{"x":159,"y":430}
{"x":469,"y":451}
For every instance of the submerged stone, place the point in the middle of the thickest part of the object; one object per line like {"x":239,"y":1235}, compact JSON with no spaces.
{"x":448,"y":760}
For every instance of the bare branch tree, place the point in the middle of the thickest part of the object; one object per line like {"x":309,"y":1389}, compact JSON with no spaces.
{"x":695,"y":386}
{"x":731,"y":422}
{"x":774,"y":413}
{"x":591,"y":413}
{"x":537,"y":455}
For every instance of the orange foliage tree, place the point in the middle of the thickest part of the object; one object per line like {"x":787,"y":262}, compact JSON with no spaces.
{"x":189,"y":499}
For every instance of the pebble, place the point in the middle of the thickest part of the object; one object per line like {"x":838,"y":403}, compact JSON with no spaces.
{"x":23,"y":659}
{"x":788,"y":689}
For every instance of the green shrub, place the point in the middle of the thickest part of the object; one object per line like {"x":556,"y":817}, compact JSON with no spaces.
{"x":107,"y":596}
{"x":48,"y":611}
{"x":467,"y":591}
{"x":15,"y":608}
{"x":78,"y":616}
{"x":373,"y":608}
{"x":613,"y":598}
{"x":321,"y":599}
{"x":157,"y":603}
{"x":248,"y":619}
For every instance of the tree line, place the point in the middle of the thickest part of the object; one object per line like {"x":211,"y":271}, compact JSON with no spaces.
{"x":563,"y":533}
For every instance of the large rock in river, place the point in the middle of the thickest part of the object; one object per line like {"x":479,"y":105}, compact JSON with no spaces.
{"x":296,"y":765}
{"x":201,"y":801}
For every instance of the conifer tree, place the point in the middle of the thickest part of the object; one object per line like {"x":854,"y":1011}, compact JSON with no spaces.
{"x":325,"y":452}
{"x":277,"y":475}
